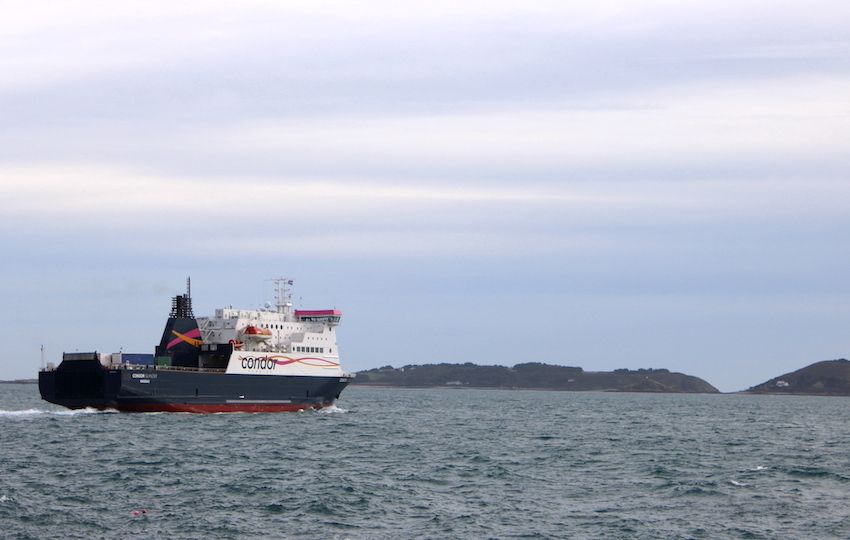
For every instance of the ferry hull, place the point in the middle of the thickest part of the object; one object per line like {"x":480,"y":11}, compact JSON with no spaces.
{"x":88,"y":384}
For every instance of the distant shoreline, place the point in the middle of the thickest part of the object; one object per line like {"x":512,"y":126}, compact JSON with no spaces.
{"x":20,"y":381}
{"x":534,"y":376}
{"x":534,"y":389}
{"x":609,"y":391}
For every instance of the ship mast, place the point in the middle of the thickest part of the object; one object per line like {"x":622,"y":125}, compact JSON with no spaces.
{"x":283,"y":295}
{"x":181,"y":305}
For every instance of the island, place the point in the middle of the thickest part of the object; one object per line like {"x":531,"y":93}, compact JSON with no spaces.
{"x":533,"y":375}
{"x":826,"y":378}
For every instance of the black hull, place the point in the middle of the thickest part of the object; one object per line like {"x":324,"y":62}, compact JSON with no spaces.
{"x":151,"y":389}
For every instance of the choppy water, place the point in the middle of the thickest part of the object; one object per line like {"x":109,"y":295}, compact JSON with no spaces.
{"x":396,"y":463}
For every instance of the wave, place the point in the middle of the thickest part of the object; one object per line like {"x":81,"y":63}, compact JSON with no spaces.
{"x":332,"y":409}
{"x":27,"y":412}
{"x":87,"y":410}
{"x":37,"y":412}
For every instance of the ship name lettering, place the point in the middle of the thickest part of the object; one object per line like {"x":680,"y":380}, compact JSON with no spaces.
{"x":260,"y":362}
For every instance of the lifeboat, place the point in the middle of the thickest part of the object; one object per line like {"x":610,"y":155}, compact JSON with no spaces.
{"x":256,"y":332}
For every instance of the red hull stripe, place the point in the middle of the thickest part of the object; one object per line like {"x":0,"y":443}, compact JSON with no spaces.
{"x":217,"y":407}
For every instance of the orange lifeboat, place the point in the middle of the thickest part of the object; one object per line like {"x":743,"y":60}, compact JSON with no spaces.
{"x":256,"y":332}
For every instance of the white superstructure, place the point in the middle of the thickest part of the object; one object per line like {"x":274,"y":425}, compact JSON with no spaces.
{"x":275,"y":341}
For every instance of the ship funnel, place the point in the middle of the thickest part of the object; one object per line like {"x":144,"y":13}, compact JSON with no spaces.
{"x":181,"y":305}
{"x":181,"y":339}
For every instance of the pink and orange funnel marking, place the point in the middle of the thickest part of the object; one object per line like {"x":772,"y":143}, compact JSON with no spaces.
{"x":190,"y":337}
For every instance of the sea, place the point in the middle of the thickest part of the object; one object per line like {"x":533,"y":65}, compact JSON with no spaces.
{"x":433,"y":463}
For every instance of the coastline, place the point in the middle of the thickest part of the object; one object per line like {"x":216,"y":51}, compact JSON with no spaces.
{"x":535,"y":389}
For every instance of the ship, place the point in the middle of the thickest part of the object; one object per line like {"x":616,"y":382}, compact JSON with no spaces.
{"x":272,"y":359}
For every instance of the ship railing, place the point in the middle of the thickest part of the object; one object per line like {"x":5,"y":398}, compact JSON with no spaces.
{"x":183,"y":368}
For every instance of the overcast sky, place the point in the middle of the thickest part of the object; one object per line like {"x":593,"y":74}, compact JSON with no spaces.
{"x":597,"y":184}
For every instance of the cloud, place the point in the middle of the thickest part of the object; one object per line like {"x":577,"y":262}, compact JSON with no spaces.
{"x":748,"y":120}
{"x":132,"y":212}
{"x":343,"y":56}
{"x":672,"y":173}
{"x":76,"y":190}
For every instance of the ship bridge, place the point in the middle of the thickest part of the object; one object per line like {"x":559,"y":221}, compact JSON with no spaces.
{"x":328,"y":316}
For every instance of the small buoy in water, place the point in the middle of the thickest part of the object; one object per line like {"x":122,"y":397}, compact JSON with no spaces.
{"x":141,"y":512}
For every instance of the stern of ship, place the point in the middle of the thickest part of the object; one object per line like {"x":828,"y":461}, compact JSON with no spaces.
{"x":80,"y":381}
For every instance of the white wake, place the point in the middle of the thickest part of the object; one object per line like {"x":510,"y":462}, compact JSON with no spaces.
{"x":38,"y":412}
{"x":332,"y":409}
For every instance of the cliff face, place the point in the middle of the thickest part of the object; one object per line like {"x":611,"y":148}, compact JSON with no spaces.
{"x":829,"y":378}
{"x":534,"y":375}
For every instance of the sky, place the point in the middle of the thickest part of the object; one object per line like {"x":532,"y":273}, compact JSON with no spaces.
{"x":599,"y":184}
